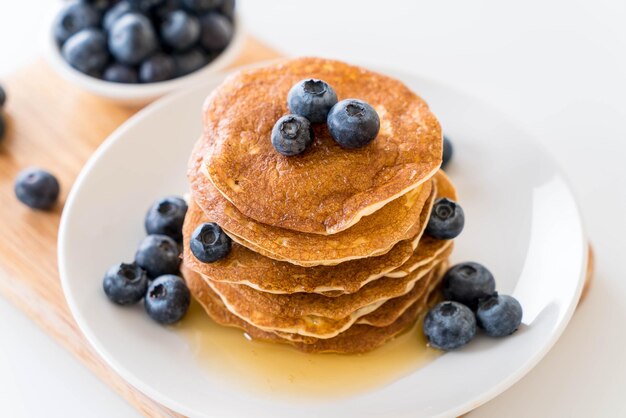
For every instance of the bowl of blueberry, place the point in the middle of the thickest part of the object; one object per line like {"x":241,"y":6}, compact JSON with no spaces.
{"x":134,"y":51}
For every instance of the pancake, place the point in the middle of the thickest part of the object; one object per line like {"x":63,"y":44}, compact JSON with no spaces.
{"x":245,"y":266}
{"x":357,"y":339}
{"x":415,"y":260}
{"x":327,"y":189}
{"x":374,"y":235}
{"x":389,"y":310}
{"x":386,"y":314}
{"x":317,"y":315}
{"x":392,"y":309}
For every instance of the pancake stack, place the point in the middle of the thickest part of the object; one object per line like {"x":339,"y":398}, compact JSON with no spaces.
{"x":329,"y":252}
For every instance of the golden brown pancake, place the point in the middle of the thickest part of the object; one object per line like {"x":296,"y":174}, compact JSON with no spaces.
{"x":374,"y":235}
{"x":394,"y":308}
{"x":384,"y":315}
{"x":327,"y":189}
{"x":317,"y":315}
{"x":320,"y":326}
{"x":357,"y":339}
{"x":303,"y":304}
{"x":415,"y":261}
{"x":245,"y":266}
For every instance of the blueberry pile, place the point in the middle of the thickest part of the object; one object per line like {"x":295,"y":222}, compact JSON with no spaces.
{"x":143,"y":41}
{"x":352,"y":123}
{"x":37,"y":188}
{"x":154,"y":274}
{"x":471,"y":302}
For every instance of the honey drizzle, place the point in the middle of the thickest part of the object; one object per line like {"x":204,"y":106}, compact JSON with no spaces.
{"x":281,"y":370}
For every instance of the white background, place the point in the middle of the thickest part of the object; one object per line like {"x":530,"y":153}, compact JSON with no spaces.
{"x":557,"y":67}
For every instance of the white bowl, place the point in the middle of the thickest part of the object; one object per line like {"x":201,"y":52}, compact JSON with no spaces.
{"x":137,"y":94}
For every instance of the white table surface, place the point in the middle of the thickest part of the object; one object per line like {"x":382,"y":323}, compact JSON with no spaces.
{"x":557,"y":67}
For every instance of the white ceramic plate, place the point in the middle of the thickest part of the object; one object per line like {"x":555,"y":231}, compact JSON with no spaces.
{"x":522,"y":222}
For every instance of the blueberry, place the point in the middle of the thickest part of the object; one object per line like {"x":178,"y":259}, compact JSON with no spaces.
{"x":167,"y":299}
{"x":159,"y":67}
{"x":446,"y":219}
{"x":95,"y":74}
{"x":499,"y":315}
{"x":158,"y":255}
{"x":467,"y":283}
{"x":228,"y":9}
{"x":119,"y":73}
{"x":114,"y":13}
{"x":209,"y":243}
{"x":3,"y":97}
{"x":201,"y":6}
{"x":86,"y":51}
{"x":217,"y":31}
{"x":166,"y":217}
{"x":100,"y":5}
{"x":164,"y":9}
{"x":125,"y":284}
{"x":449,"y":325}
{"x":74,"y":17}
{"x":447,"y":151}
{"x":180,"y":30}
{"x":144,"y":6}
{"x":292,"y":135}
{"x":353,"y":123}
{"x":190,"y":61}
{"x":132,"y":39}
{"x":311,"y":99}
{"x":37,"y":188}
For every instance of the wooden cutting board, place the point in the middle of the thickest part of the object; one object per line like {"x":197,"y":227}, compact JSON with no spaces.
{"x":56,"y":126}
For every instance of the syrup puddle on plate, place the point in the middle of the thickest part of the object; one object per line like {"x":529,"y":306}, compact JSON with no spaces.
{"x":281,"y":370}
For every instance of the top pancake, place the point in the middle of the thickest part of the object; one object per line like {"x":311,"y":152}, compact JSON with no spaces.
{"x":327,"y":189}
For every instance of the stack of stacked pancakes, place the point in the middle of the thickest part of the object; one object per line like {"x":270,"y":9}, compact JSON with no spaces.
{"x":329,"y":252}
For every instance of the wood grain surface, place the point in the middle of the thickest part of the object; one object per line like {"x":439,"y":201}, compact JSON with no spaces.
{"x":54,"y":125}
